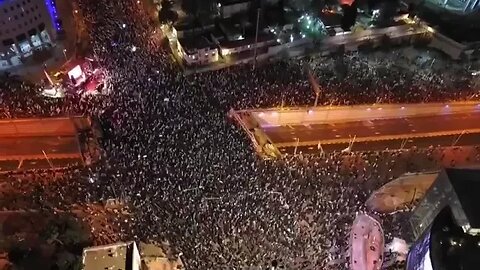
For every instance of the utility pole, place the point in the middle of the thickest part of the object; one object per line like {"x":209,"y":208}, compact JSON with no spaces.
{"x":256,"y":40}
{"x":315,"y":87}
{"x":404,"y":142}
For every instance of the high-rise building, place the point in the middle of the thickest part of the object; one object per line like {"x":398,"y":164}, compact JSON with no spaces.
{"x":26,"y":25}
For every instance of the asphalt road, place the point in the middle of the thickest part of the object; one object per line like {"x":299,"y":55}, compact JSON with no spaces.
{"x":414,"y":126}
{"x":467,"y":139}
{"x":33,"y":146}
{"x":29,"y":164}
{"x":37,"y":127}
{"x":339,"y":114}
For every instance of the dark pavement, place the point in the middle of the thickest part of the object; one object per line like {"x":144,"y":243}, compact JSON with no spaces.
{"x":383,"y":127}
{"x":33,"y":146}
{"x":467,"y":139}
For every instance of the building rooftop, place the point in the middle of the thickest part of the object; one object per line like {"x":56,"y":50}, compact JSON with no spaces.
{"x":262,"y":37}
{"x":231,"y":2}
{"x":230,"y":31}
{"x":466,"y":183}
{"x":190,"y":44}
{"x":116,"y":256}
{"x":455,"y":188}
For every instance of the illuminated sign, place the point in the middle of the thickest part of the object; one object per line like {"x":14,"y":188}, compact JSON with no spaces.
{"x":52,"y":10}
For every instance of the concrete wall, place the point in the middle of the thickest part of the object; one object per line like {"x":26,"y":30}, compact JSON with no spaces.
{"x":326,"y":114}
{"x":447,"y":45}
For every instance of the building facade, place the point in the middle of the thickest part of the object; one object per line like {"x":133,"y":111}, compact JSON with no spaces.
{"x":120,"y":255}
{"x":26,"y":26}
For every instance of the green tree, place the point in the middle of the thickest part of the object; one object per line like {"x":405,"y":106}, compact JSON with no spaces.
{"x":199,"y":8}
{"x":17,"y":253}
{"x":300,"y":5}
{"x":190,"y":6}
{"x":68,"y":261}
{"x":167,"y":14}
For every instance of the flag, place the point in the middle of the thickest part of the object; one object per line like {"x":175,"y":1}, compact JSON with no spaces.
{"x":314,"y":83}
{"x":48,"y":77}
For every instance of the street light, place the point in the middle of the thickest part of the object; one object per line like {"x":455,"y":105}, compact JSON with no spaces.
{"x":65,"y":53}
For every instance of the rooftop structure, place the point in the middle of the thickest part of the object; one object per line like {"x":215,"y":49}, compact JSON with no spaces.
{"x":445,"y":246}
{"x":455,"y":188}
{"x":446,"y":223}
{"x":119,"y":256}
{"x":230,"y":38}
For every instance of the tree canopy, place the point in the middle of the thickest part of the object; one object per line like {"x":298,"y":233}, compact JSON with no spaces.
{"x":167,"y":14}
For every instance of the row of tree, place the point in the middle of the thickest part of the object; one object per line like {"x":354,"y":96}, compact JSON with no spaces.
{"x":61,"y":243}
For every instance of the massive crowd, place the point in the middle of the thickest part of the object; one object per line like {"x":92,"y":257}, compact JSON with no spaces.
{"x":190,"y":173}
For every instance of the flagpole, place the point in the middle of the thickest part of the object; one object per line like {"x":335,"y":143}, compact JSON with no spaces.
{"x":48,"y":160}
{"x":296,"y":146}
{"x":256,"y":41}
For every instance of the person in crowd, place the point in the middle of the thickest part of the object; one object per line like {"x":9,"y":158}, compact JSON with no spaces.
{"x":190,"y":173}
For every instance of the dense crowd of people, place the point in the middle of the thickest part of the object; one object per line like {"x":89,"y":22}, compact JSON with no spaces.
{"x":190,"y":173}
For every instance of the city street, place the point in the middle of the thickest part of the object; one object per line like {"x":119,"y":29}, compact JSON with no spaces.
{"x":40,"y":143}
{"x":382,"y":145}
{"x":425,"y":126}
{"x":374,"y":127}
{"x":336,"y":114}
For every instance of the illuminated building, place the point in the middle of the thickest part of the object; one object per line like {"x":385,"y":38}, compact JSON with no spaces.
{"x":26,"y":25}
